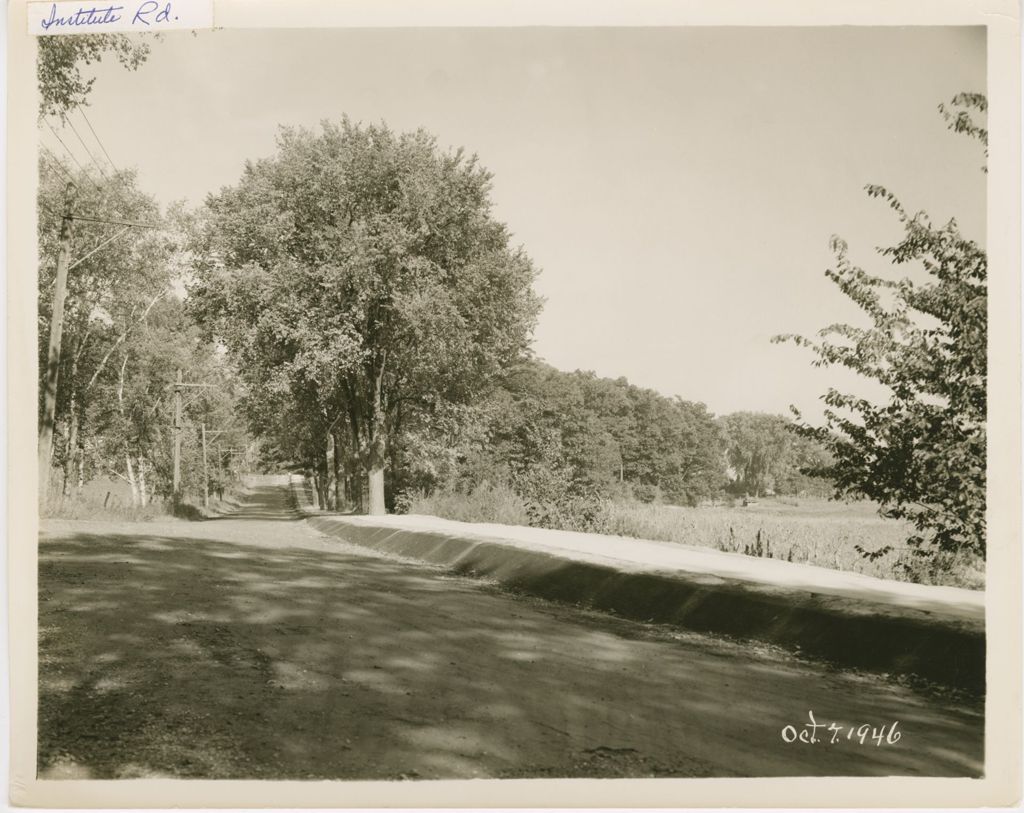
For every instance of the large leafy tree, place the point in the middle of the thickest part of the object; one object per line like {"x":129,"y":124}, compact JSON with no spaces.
{"x":361,"y":273}
{"x":756,"y":448}
{"x":921,"y":454}
{"x":765,"y":454}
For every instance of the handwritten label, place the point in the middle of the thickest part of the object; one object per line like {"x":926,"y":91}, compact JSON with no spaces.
{"x":813,"y":732}
{"x":101,"y":18}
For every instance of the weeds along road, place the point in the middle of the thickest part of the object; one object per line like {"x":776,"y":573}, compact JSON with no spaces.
{"x":252,"y":646}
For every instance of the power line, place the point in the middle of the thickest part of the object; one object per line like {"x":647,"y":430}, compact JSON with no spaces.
{"x":117,"y":173}
{"x":118,"y":178}
{"x":89,"y":123}
{"x":117,"y":222}
{"x":54,"y":161}
{"x":73,"y":158}
{"x":85,"y":147}
{"x":99,"y":245}
{"x":106,"y":242}
{"x":65,"y":146}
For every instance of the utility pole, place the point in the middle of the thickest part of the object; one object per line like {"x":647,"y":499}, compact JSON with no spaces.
{"x":206,"y":473}
{"x":178,"y":386}
{"x":53,"y":356}
{"x":176,"y":491}
{"x":216,"y":433}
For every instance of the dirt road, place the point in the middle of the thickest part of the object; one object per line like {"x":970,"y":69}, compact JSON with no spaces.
{"x":253,"y":647}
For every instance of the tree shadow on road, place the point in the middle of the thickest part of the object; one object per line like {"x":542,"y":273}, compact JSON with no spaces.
{"x":194,"y":657}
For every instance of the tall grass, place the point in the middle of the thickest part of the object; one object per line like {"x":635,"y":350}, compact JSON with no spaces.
{"x":816,"y":532}
{"x":829,"y":537}
{"x":83,"y":508}
{"x":114,"y":504}
{"x":486,"y":503}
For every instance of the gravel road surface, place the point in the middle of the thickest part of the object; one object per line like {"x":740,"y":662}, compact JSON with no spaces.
{"x":252,"y":646}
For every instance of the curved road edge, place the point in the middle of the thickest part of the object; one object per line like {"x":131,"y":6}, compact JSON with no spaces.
{"x":863,"y":633}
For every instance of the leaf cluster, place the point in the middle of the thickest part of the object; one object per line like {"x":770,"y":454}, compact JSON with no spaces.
{"x":921,"y":454}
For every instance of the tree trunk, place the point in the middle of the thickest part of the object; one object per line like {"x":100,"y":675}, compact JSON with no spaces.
{"x":72,"y":446}
{"x":76,"y":454}
{"x":310,"y":477}
{"x":321,"y":478}
{"x":131,"y":478}
{"x":376,"y":451}
{"x":375,"y":472}
{"x":355,"y":465}
{"x":376,"y":482}
{"x":143,"y":494}
{"x":339,"y":483}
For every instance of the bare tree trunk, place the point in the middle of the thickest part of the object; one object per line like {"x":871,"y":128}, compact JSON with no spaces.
{"x":131,"y":478}
{"x":143,"y":494}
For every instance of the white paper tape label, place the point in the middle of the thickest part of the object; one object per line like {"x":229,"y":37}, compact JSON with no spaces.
{"x":102,"y":18}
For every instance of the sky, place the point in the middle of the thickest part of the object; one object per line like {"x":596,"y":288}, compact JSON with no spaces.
{"x":677,"y":188}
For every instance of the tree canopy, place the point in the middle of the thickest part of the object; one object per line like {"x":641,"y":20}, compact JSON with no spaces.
{"x":62,"y":85}
{"x":363,"y":284}
{"x":563,"y":442}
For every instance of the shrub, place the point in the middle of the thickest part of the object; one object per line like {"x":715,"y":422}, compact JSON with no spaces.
{"x":487,"y":502}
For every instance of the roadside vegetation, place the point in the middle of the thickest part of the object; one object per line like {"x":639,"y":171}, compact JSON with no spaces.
{"x":917,"y":458}
{"x":351,"y":308}
{"x":110,"y":499}
{"x":126,"y":334}
{"x":124,"y":329}
{"x":813,"y":531}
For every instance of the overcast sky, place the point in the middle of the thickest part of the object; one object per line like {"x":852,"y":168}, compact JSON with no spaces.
{"x":676,"y":187}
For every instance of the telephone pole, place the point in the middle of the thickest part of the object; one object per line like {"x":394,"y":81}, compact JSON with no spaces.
{"x":206,"y":473}
{"x":206,"y":470}
{"x":53,"y":356}
{"x":176,"y":491}
{"x":178,"y":386}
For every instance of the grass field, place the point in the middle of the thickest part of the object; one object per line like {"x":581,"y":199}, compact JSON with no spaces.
{"x":820,"y":532}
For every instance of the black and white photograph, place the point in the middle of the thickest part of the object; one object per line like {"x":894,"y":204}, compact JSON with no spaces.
{"x":518,"y":402}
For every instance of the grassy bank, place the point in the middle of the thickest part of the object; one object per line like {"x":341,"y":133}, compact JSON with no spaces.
{"x":104,"y":499}
{"x":817,"y":532}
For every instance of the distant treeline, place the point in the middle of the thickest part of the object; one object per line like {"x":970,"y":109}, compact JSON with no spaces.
{"x":564,"y":441}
